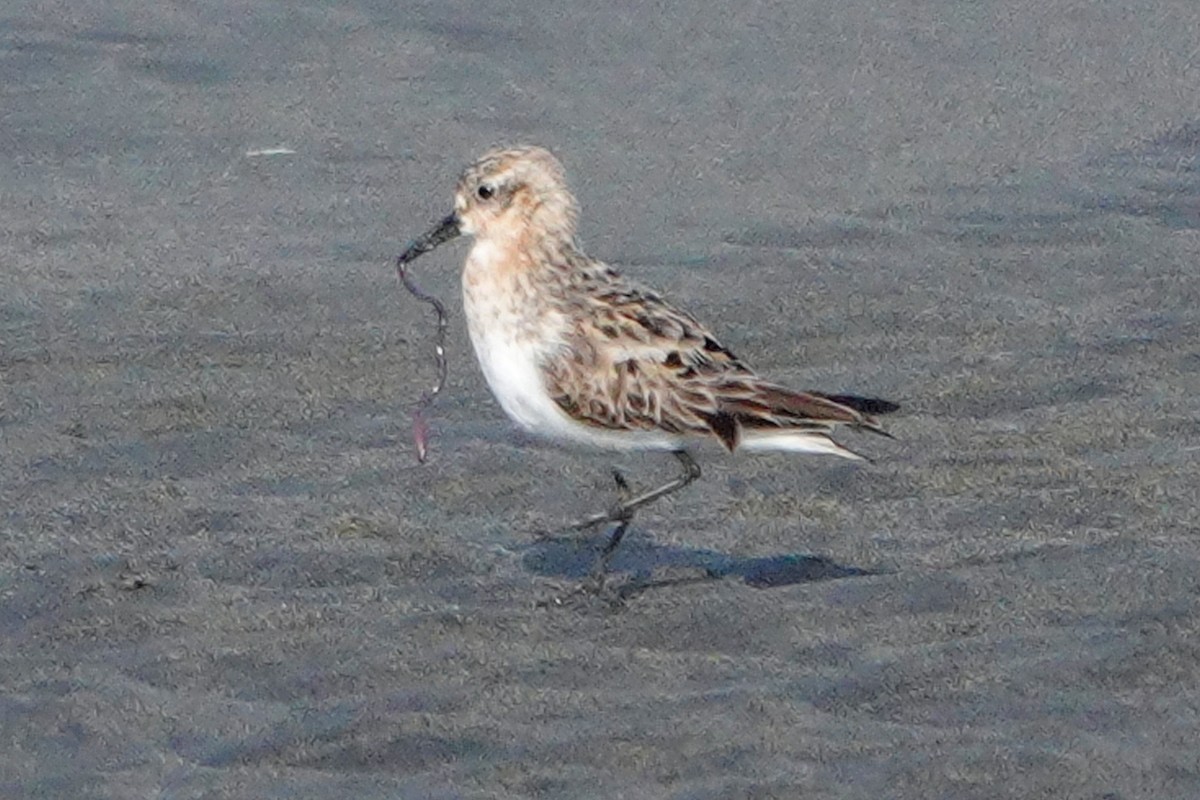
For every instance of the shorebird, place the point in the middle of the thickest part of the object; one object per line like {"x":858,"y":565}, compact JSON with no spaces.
{"x":577,"y":353}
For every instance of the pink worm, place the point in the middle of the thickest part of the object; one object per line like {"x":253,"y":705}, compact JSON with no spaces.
{"x":420,"y":427}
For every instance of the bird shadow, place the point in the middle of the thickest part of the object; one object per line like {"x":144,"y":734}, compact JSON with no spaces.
{"x":644,"y":562}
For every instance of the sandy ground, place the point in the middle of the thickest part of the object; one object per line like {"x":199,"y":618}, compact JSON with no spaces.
{"x":222,"y":573}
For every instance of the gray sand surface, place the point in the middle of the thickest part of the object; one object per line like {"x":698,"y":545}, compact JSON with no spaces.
{"x":223,"y":575}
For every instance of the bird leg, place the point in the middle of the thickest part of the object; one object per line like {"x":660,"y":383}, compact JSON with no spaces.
{"x":622,"y":514}
{"x":624,"y":508}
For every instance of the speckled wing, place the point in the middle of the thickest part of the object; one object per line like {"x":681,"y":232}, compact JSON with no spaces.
{"x":634,"y":362}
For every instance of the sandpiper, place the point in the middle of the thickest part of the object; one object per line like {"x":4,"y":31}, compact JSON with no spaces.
{"x":577,"y":353}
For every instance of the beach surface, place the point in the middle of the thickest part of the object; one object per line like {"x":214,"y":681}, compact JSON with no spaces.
{"x":223,"y":574}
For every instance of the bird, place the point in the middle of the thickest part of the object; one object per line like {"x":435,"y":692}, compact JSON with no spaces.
{"x":577,"y":353}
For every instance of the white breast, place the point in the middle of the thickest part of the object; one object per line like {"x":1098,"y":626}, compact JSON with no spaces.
{"x":513,"y":333}
{"x":510,"y":332}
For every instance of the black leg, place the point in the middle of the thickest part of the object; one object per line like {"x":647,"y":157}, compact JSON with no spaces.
{"x":623,"y":510}
{"x":622,"y":514}
{"x":595,"y":580}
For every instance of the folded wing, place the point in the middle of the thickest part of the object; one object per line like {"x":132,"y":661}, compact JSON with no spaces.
{"x":639,"y":363}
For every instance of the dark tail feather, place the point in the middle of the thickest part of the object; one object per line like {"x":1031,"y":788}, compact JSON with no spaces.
{"x":863,"y":405}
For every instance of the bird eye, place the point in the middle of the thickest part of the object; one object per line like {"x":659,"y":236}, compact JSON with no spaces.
{"x":485,"y":192}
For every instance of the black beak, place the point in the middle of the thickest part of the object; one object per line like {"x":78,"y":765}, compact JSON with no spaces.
{"x":441,"y":233}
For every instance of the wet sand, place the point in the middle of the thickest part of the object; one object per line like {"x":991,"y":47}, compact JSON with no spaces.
{"x":223,"y":574}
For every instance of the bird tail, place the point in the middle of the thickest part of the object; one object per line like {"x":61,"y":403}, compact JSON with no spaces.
{"x":794,"y":441}
{"x":770,"y":417}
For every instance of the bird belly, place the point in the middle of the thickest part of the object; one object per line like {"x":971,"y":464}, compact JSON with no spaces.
{"x":511,"y":366}
{"x":513,"y":375}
